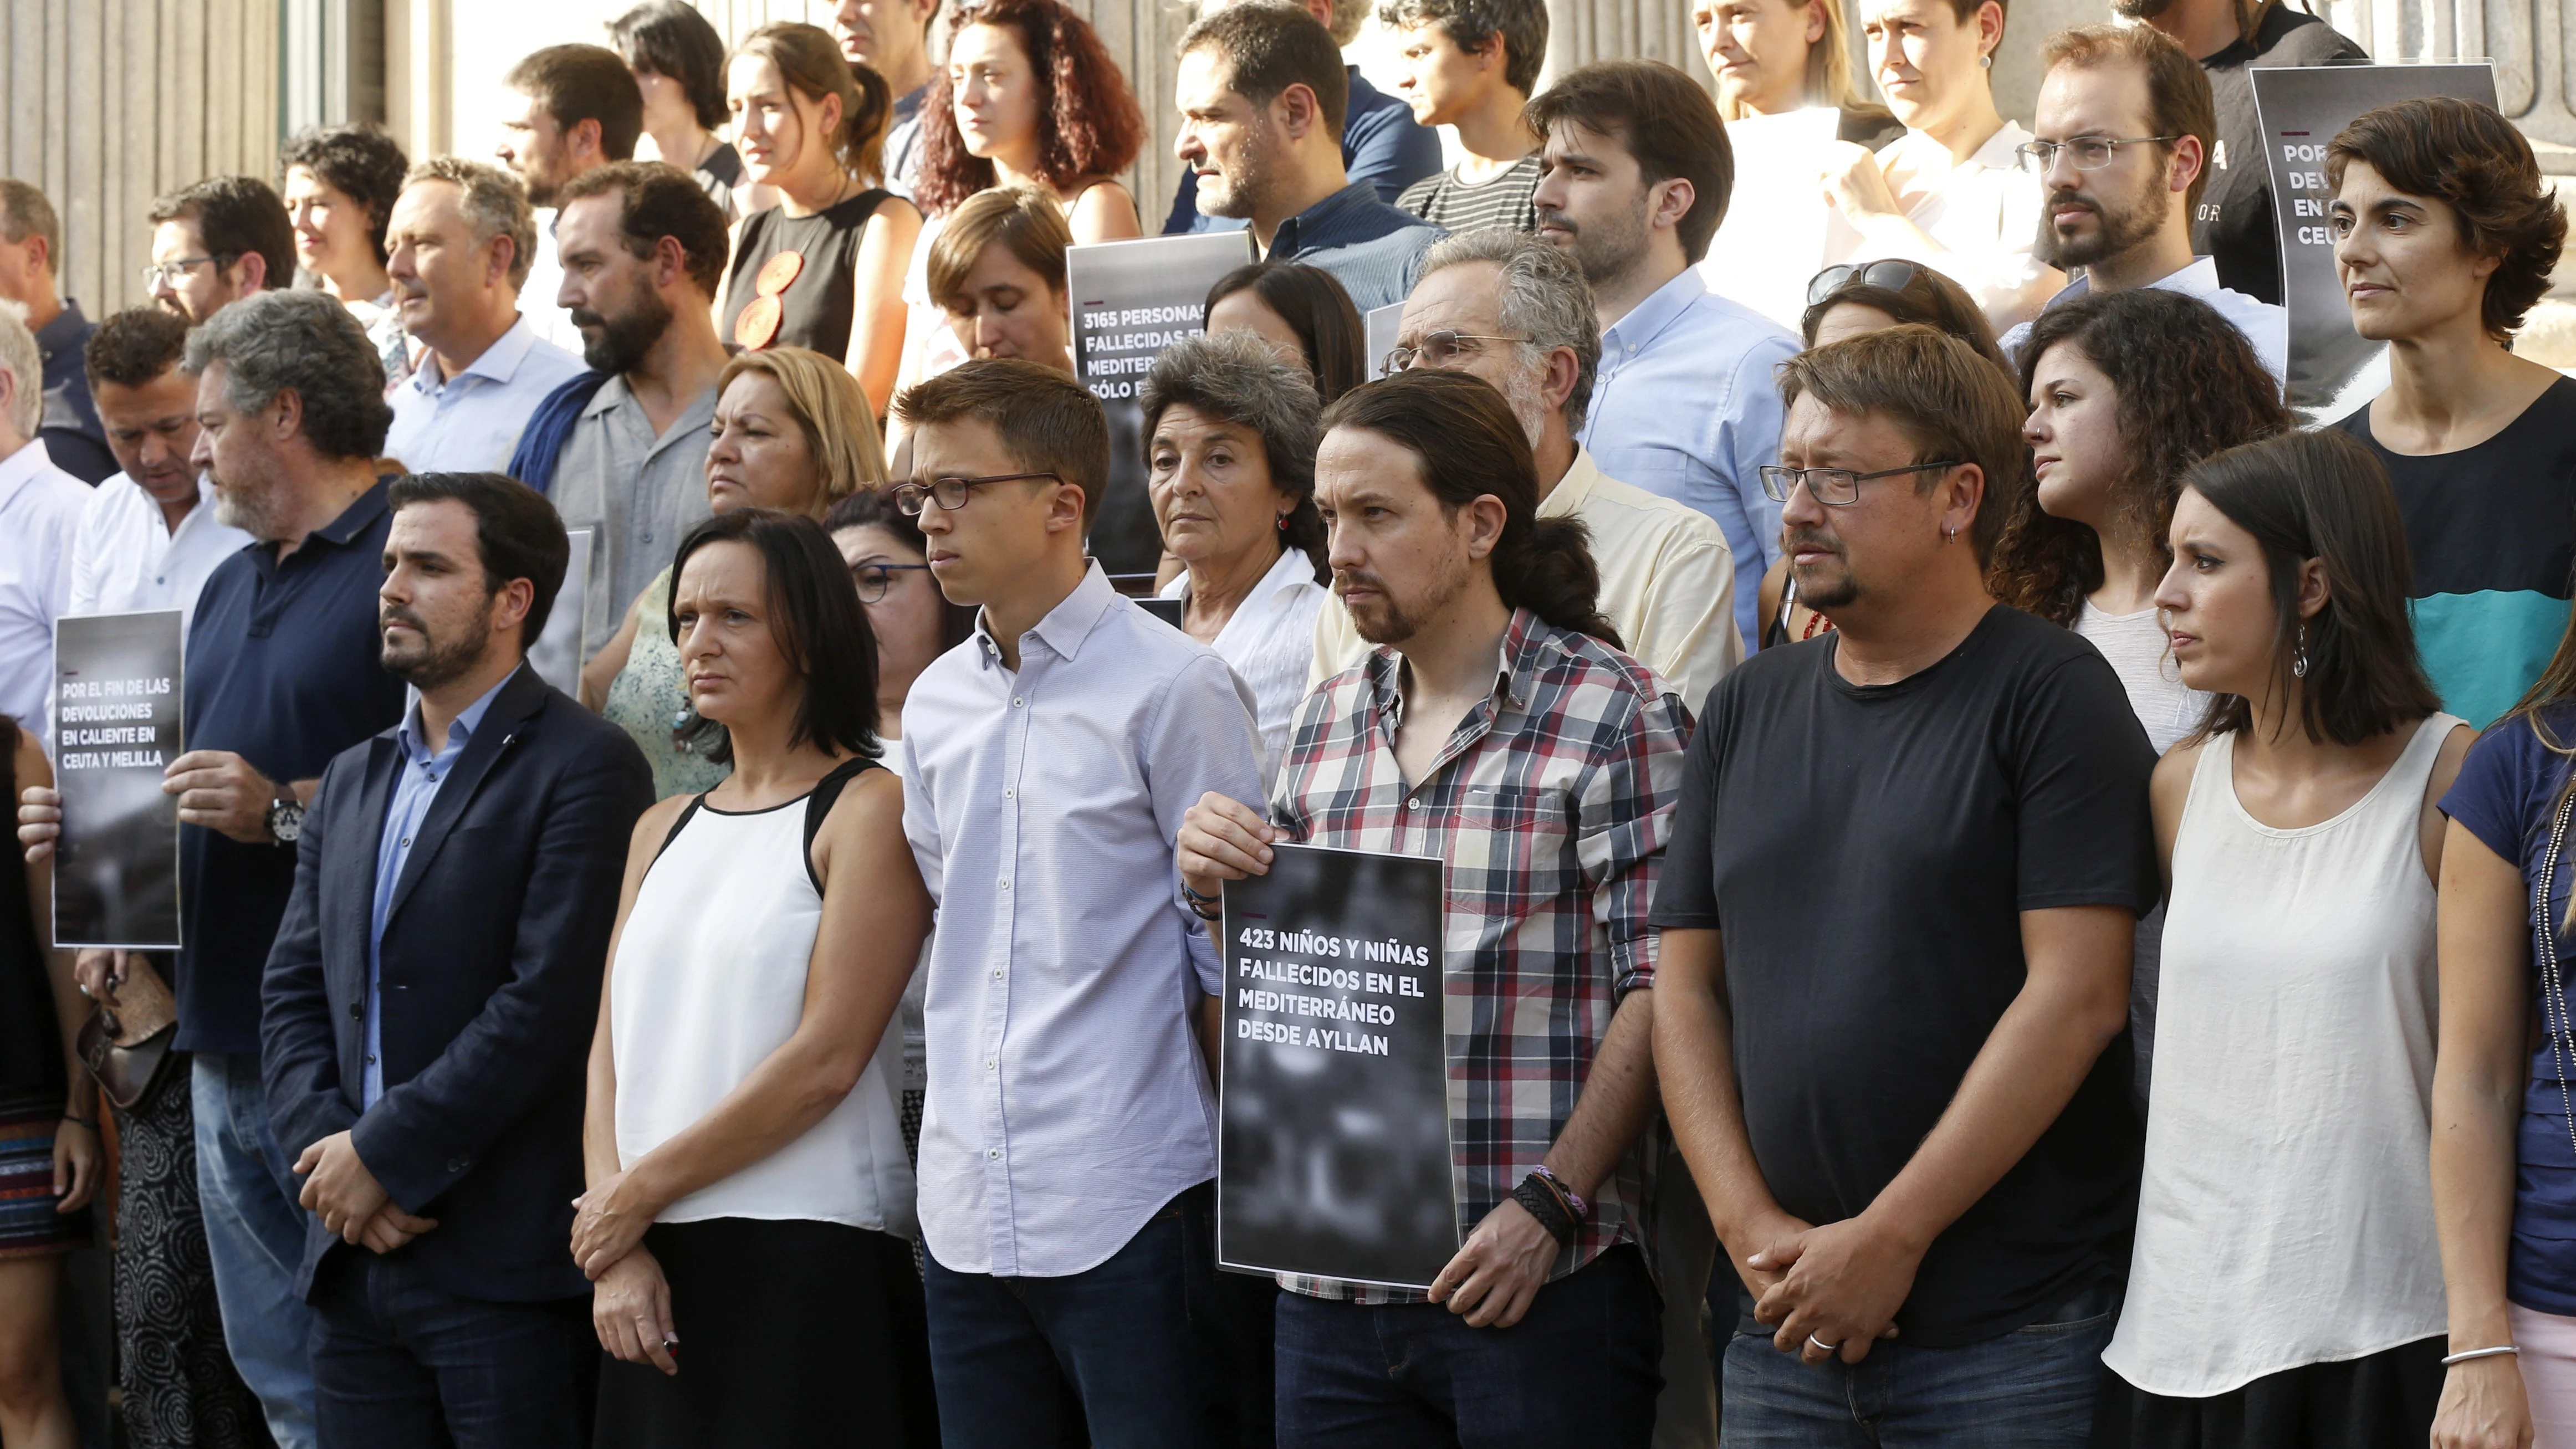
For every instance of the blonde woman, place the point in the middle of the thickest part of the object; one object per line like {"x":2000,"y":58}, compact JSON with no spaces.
{"x":1771,"y":57}
{"x":792,"y":432}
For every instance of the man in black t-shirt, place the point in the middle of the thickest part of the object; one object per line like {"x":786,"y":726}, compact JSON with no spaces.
{"x":2233,"y":221}
{"x":1897,"y":912}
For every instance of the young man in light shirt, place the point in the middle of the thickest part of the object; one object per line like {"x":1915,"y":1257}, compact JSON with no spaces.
{"x":149,"y":535}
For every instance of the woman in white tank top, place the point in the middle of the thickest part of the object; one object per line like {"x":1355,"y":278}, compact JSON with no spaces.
{"x":2286,"y":1288}
{"x":749,"y":1194}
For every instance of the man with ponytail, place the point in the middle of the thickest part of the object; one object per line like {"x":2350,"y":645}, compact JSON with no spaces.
{"x":1498,"y":725}
{"x":1908,"y":863}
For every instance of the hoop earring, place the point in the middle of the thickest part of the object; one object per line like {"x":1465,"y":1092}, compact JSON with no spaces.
{"x":2299,"y":662}
{"x":1950,"y":535}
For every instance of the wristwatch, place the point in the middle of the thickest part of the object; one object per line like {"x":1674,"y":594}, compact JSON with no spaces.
{"x":286,"y":817}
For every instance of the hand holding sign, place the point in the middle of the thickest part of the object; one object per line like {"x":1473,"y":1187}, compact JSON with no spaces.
{"x":1222,"y":840}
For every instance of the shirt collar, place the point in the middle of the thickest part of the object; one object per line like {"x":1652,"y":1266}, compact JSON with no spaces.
{"x":1322,"y":217}
{"x":1287,"y":571}
{"x":1573,"y":490}
{"x":2200,"y":279}
{"x":1513,"y":666}
{"x":459,"y":730}
{"x":499,"y":362}
{"x":1652,"y":315}
{"x":1997,"y":153}
{"x":1065,"y":626}
{"x":355,"y":518}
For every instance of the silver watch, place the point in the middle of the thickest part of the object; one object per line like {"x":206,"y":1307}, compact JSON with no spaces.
{"x":286,"y":818}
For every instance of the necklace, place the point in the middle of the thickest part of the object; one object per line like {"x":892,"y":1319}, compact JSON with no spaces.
{"x":2553,"y":987}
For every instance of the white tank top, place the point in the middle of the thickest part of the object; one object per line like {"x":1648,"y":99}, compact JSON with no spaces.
{"x":709,"y":980}
{"x":2286,"y":1215}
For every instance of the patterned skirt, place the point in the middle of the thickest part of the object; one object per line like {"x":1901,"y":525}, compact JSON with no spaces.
{"x":181,"y":1391}
{"x":29,"y":1226}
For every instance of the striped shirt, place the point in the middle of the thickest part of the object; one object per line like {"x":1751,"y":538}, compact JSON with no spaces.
{"x":1550,"y":804}
{"x":1449,"y":200}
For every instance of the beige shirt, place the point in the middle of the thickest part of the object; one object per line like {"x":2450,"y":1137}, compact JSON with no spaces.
{"x":1667,"y":583}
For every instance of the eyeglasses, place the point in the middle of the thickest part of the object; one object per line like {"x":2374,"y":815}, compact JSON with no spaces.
{"x":1833,"y":487}
{"x":951,"y":493}
{"x":1894,"y":276}
{"x":874,"y":578}
{"x":172,"y":273}
{"x":1439,"y":349}
{"x":2089,"y":153}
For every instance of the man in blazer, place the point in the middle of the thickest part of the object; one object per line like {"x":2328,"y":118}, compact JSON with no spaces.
{"x":429,"y":1004}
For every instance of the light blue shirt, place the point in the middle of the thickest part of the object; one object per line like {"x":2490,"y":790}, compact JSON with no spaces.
{"x":1066,"y":1100}
{"x":416,"y":782}
{"x":471,"y":422}
{"x":2264,"y":325}
{"x":1686,"y":405}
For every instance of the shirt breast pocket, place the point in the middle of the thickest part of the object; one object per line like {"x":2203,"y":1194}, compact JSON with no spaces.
{"x":1511,"y":850}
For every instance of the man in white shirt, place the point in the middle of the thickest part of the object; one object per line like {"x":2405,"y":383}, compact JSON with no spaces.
{"x":148,"y":536}
{"x":2122,"y":142}
{"x":573,"y":108}
{"x":1638,"y":176}
{"x":457,"y":249}
{"x":40,"y":506}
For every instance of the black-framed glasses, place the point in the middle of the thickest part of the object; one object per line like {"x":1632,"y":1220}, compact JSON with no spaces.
{"x":2087,"y":153}
{"x":1440,"y":349}
{"x":1895,"y":276}
{"x":873,"y":579}
{"x":952,"y":493}
{"x":1833,"y":487}
{"x":176,"y":270}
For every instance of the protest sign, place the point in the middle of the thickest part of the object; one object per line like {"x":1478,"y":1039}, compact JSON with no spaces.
{"x":116,"y":729}
{"x":1333,"y":1150}
{"x":2333,"y":369}
{"x":1131,"y":299}
{"x":1379,"y":329}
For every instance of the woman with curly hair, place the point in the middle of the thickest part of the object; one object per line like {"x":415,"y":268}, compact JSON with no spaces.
{"x":2126,"y":391}
{"x":340,"y":183}
{"x":2445,"y":235}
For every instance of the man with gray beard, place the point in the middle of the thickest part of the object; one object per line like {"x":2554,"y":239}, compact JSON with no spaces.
{"x":1667,"y":576}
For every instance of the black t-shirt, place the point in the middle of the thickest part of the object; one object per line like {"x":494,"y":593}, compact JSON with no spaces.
{"x":2234,"y":222}
{"x":1867,"y":852}
{"x":820,"y":303}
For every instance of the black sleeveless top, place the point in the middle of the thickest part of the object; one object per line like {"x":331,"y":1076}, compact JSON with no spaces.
{"x":31,"y":1051}
{"x":819,"y":302}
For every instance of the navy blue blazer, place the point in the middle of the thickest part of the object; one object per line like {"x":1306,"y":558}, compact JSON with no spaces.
{"x":494,"y":947}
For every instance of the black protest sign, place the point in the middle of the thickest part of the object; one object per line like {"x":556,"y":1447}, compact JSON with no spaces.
{"x":2333,"y":369}
{"x":1131,"y":299}
{"x":1333,"y":1151}
{"x":116,"y":728}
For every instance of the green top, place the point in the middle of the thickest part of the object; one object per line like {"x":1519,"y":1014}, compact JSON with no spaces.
{"x":648,"y":697}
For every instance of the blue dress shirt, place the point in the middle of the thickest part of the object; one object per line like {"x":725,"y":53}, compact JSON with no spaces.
{"x":469,"y":423}
{"x":416,"y":781}
{"x":1686,"y":405}
{"x":1381,"y":144}
{"x":1066,"y":1102}
{"x":1372,"y":249}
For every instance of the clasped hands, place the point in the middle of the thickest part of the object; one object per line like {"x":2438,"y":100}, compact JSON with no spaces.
{"x":339,"y":1188}
{"x":1839,"y":1285}
{"x":630,"y":1309}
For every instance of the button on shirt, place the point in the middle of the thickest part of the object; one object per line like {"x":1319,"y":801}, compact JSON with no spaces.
{"x":469,"y":423}
{"x":1067,"y":1103}
{"x":636,"y":493}
{"x":1372,"y":249}
{"x":40,"y":509}
{"x":419,"y":773}
{"x":126,"y":558}
{"x":1550,"y":804}
{"x":1686,"y":406}
{"x":282,"y":670}
{"x":2264,"y":325}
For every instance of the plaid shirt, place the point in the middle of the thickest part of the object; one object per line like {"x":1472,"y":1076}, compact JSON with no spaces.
{"x":1550,"y":804}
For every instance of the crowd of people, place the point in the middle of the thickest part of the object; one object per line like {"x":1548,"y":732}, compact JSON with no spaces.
{"x":1997,"y":889}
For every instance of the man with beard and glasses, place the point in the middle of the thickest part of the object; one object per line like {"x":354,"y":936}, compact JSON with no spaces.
{"x":1498,"y":726}
{"x":282,"y":674}
{"x":2122,"y":140}
{"x":1263,"y":98}
{"x":573,"y":109}
{"x":430,"y":1000}
{"x":1896,"y":918}
{"x":1638,"y":175}
{"x":457,"y":248}
{"x":622,"y":451}
{"x":2233,"y":222}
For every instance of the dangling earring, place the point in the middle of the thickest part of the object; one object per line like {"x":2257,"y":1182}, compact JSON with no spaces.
{"x":1283,"y":523}
{"x":2299,"y":663}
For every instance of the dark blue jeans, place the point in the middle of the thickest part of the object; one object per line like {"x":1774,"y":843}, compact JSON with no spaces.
{"x":399,"y":1363}
{"x":1582,"y":1367}
{"x":1129,"y":1336}
{"x":2034,"y":1388}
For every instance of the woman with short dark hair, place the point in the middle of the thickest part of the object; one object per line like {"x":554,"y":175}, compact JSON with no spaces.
{"x":2285,"y":1288}
{"x":750,"y":1202}
{"x":340,"y":184}
{"x":1303,"y":313}
{"x":2445,"y":235}
{"x":679,"y":65}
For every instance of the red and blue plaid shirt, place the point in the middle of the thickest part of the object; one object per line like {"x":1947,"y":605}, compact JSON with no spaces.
{"x":1550,"y":804}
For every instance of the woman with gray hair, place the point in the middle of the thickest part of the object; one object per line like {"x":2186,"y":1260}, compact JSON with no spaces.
{"x":1230,"y":465}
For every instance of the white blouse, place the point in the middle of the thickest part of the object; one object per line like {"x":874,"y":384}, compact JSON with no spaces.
{"x":1983,"y":213}
{"x":1270,"y":645}
{"x":2142,"y":655}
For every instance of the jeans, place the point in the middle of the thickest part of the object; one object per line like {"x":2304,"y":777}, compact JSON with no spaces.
{"x":1582,"y":1367}
{"x":2033,"y":1388}
{"x":1128,"y":1334}
{"x":399,"y":1363}
{"x":255,"y":1235}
